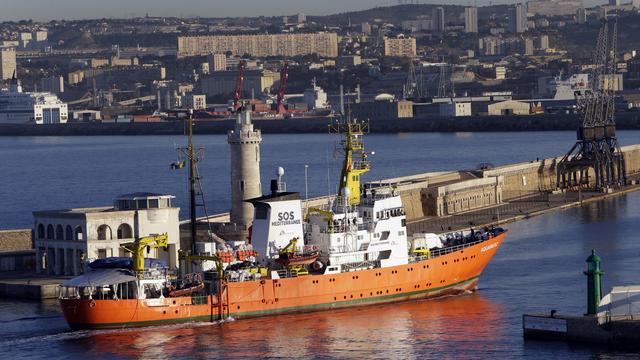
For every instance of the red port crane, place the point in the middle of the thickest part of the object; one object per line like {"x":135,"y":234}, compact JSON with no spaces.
{"x":284,"y":75}
{"x":237,"y":94}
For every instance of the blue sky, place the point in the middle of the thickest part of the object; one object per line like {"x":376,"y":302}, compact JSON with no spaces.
{"x":77,"y":9}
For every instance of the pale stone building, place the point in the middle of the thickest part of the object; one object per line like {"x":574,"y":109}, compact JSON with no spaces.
{"x":224,"y":82}
{"x":400,"y":47}
{"x":321,"y":43}
{"x":7,"y":62}
{"x":217,"y":62}
{"x":195,"y":102}
{"x":67,"y":239}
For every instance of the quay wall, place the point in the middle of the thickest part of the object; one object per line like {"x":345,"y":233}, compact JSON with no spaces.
{"x":16,"y":240}
{"x":544,"y":122}
{"x":16,"y":250}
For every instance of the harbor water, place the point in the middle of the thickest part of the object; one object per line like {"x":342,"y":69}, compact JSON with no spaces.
{"x":44,"y":173}
{"x":538,"y":268}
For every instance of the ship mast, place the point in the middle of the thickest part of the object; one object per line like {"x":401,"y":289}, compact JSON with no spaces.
{"x":355,"y":161}
{"x":192,"y":184}
{"x":193,"y":155}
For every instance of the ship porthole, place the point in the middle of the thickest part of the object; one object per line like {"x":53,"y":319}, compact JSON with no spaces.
{"x":164,"y":312}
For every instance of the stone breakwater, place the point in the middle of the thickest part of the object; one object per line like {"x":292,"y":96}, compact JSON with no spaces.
{"x":547,"y":122}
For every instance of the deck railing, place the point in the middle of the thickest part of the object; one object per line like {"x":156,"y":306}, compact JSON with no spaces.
{"x":446,"y":250}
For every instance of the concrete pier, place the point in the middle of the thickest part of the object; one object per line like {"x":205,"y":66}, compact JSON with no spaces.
{"x":29,"y":286}
{"x":584,"y":329}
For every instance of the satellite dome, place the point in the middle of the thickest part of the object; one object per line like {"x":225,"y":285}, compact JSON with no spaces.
{"x":384,"y":97}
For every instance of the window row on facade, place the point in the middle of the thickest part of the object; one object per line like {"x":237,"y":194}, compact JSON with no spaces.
{"x":76,"y":233}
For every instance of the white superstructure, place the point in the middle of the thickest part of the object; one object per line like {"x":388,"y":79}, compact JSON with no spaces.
{"x":372,"y":232}
{"x":571,"y":88}
{"x":315,"y":97}
{"x":348,"y":237}
{"x":18,"y":107}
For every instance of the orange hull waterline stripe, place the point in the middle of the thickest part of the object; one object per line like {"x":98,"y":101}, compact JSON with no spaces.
{"x":449,"y":274}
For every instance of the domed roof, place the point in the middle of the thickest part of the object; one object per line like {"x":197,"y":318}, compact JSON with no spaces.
{"x":384,"y":97}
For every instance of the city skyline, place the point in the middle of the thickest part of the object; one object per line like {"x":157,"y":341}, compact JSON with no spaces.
{"x":78,"y":9}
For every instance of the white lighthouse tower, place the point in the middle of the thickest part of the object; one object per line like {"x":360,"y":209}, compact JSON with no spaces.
{"x":244,"y":142}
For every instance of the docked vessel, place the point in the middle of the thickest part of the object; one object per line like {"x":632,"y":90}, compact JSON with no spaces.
{"x":18,"y":107}
{"x":354,"y":251}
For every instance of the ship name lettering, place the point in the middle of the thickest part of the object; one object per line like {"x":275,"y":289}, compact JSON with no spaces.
{"x":489,"y":247}
{"x":285,"y":222}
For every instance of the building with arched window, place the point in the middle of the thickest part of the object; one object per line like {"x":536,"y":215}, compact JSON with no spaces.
{"x":65,"y":240}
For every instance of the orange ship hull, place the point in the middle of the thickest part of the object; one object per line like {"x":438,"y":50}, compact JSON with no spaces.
{"x":451,"y":274}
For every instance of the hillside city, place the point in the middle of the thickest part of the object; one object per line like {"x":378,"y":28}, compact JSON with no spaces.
{"x":403,"y":61}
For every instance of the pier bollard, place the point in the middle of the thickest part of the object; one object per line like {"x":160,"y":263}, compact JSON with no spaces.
{"x":594,"y":283}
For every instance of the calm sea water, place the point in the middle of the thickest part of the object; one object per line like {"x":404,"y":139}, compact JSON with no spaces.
{"x":43,"y":173}
{"x":538,"y":268}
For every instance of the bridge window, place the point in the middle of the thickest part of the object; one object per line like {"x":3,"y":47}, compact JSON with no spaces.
{"x":40,"y":231}
{"x":50,"y":231}
{"x":68,"y":233}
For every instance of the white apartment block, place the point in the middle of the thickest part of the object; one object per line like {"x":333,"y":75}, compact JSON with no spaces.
{"x":323,"y":44}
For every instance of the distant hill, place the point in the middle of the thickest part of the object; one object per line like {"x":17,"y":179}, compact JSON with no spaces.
{"x":392,"y":14}
{"x":72,"y":39}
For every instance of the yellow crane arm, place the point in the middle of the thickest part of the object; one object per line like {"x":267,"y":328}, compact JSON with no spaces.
{"x":149,"y":242}
{"x":291,"y":247}
{"x":188,"y":258}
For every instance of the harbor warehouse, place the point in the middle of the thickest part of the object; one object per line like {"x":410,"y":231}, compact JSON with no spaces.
{"x":322,"y":44}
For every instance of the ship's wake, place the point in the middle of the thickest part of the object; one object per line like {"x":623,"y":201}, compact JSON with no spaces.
{"x":81,"y":334}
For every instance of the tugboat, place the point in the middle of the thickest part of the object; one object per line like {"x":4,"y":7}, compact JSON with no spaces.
{"x":354,"y":251}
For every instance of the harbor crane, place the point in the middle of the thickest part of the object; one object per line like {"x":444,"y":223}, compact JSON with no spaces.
{"x":284,"y":76}
{"x":595,"y":161}
{"x":237,"y":93}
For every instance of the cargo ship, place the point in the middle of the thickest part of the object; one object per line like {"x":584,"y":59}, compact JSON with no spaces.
{"x":355,"y":251}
